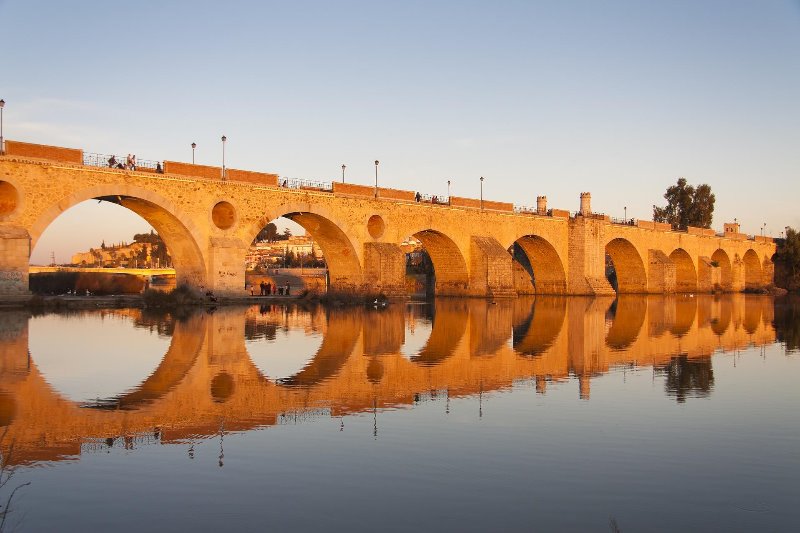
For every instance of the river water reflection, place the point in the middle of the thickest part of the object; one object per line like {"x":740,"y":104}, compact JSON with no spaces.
{"x":553,"y":414}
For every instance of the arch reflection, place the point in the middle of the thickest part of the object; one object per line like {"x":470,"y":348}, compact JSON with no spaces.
{"x":207,"y":374}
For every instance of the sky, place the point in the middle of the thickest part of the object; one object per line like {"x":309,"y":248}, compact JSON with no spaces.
{"x":618,"y":98}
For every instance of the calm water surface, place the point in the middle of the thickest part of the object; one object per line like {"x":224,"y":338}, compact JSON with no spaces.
{"x":554,"y":414}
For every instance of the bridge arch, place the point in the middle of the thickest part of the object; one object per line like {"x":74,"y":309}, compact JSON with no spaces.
{"x":685,"y":272}
{"x":685,"y":312}
{"x":628,"y":318}
{"x":449,"y":264}
{"x":722,"y":261}
{"x":629,"y":266}
{"x":548,"y":274}
{"x":330,"y":233}
{"x":539,"y":331}
{"x":343,"y":331}
{"x":447,"y":329}
{"x":753,"y":275}
{"x":177,"y":230}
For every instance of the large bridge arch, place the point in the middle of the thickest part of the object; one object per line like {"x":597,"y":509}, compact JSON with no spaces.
{"x":629,"y":266}
{"x":753,"y":275}
{"x":721,"y":260}
{"x":449,"y":264}
{"x":549,"y":275}
{"x":177,"y":230}
{"x":329,"y":232}
{"x":685,"y":271}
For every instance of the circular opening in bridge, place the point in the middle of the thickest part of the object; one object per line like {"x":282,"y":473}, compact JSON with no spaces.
{"x":223,"y":215}
{"x":9,"y":198}
{"x":376,"y":226}
{"x":222,"y":387}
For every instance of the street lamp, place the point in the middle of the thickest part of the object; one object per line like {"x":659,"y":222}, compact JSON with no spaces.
{"x":2,"y":143}
{"x":448,"y":192}
{"x":224,"y":138}
{"x":376,"y":178}
{"x":343,"y":167}
{"x":626,"y":213}
{"x":481,"y":193}
{"x":763,"y":227}
{"x":194,"y":145}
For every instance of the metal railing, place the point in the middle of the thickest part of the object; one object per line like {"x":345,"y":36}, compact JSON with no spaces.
{"x":593,"y":214}
{"x":112,"y":161}
{"x":292,"y":183}
{"x":623,"y":221}
{"x":434,"y":199}
{"x":530,"y":210}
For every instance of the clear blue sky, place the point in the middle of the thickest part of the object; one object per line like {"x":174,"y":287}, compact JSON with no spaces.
{"x":617,"y":98}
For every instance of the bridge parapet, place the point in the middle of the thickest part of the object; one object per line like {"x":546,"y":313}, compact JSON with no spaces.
{"x":43,"y":151}
{"x":475,"y":203}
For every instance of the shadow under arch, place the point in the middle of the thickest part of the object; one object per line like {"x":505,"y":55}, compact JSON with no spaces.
{"x":177,"y":231}
{"x":753,"y":276}
{"x":331,"y":235}
{"x":548,"y":274}
{"x":539,"y":331}
{"x":449,"y":266}
{"x":685,"y":272}
{"x":723,"y":261}
{"x":447,"y":331}
{"x":629,"y":266}
{"x":187,"y":339}
{"x":344,"y":329}
{"x":628,"y":320}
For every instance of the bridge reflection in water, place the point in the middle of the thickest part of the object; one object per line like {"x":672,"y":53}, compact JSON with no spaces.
{"x":207,"y":378}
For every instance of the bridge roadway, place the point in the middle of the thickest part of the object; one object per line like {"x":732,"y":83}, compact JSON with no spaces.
{"x":208,"y":224}
{"x":207,"y":375}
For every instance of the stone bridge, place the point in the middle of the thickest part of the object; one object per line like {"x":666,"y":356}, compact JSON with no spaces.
{"x":208,"y":221}
{"x":207,"y":376}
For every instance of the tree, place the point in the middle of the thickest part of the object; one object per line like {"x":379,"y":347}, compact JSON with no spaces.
{"x":686,"y":206}
{"x":788,"y":251}
{"x":269,"y":233}
{"x":287,"y":233}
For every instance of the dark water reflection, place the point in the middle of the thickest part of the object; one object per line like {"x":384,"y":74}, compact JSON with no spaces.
{"x":558,"y":413}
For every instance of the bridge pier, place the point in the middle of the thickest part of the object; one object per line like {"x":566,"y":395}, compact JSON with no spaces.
{"x":707,"y":275}
{"x":384,"y":270}
{"x":587,"y":258}
{"x":226,"y":275}
{"x":15,"y":249}
{"x":661,"y":273}
{"x":491,"y":271}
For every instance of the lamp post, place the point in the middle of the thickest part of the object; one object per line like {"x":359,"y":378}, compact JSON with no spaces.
{"x":376,"y":177}
{"x":763,"y":227}
{"x":2,"y":142}
{"x":224,"y":138}
{"x":194,"y":145}
{"x":481,"y":193}
{"x":626,"y":213}
{"x":448,"y":192}
{"x":343,"y":167}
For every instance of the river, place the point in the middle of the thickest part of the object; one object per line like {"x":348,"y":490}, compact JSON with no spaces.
{"x":639,"y":413}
